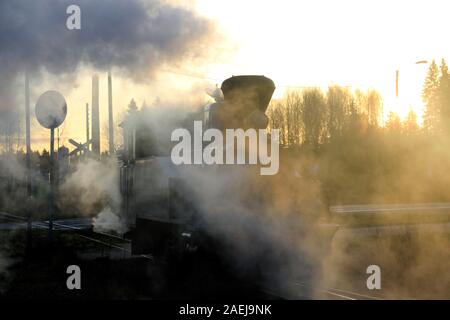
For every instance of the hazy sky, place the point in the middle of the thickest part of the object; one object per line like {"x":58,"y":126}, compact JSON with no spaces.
{"x":296,"y":43}
{"x":358,"y":43}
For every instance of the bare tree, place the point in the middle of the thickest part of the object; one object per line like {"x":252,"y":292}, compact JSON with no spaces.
{"x":338,"y":104}
{"x":293,"y":109}
{"x":313,"y":116}
{"x":276,"y":114}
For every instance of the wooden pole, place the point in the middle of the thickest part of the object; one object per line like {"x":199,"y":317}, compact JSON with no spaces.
{"x":51,"y":202}
{"x":28,"y":161}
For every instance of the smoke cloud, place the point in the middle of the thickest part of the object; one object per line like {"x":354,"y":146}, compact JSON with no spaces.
{"x":134,"y":36}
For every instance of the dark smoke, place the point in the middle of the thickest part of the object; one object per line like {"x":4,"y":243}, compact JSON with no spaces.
{"x":135,"y":36}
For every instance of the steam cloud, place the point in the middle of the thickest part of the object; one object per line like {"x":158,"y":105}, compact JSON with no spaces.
{"x":135,"y":36}
{"x":94,"y":188}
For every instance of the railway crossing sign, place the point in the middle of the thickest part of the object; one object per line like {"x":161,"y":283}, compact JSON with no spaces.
{"x":51,"y":111}
{"x":80,"y":147}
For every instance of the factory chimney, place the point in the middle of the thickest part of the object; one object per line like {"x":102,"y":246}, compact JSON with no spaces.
{"x":95,"y":117}
{"x":87,"y":126}
{"x":111,"y":119}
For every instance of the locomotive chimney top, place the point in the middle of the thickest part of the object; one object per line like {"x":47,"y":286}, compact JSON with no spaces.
{"x":257,"y":88}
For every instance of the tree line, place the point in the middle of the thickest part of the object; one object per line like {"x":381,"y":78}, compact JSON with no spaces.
{"x":341,"y":140}
{"x":313,"y":117}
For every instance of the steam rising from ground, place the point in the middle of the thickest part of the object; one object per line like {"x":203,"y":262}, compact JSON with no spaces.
{"x":93,"y":189}
{"x":107,"y":220}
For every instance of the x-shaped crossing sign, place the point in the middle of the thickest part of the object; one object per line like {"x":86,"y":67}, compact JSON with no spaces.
{"x":80,"y":147}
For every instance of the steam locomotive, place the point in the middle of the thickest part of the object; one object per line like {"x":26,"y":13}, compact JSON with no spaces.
{"x":176,"y":211}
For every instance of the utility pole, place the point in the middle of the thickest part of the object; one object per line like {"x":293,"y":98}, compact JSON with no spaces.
{"x":28,"y":159}
{"x":396,"y":83}
{"x":51,"y":110}
{"x":51,"y":202}
{"x":397,"y":76}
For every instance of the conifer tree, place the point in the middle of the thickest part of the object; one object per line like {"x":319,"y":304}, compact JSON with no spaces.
{"x":430,"y":96}
{"x":410,"y":124}
{"x":444,"y":97}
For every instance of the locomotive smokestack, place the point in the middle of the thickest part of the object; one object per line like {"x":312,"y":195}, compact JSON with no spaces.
{"x":95,"y":117}
{"x":255,"y":91}
{"x":246,"y":100}
{"x":111,"y":119}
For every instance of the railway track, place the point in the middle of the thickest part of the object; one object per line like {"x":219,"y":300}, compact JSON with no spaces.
{"x":115,"y":242}
{"x":339,"y":294}
{"x":80,"y":229}
{"x":294,"y":290}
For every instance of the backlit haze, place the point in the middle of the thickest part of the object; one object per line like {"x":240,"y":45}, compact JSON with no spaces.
{"x":295,"y":43}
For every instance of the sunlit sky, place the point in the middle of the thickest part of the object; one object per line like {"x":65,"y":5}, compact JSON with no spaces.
{"x":297,"y":43}
{"x":317,"y":43}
